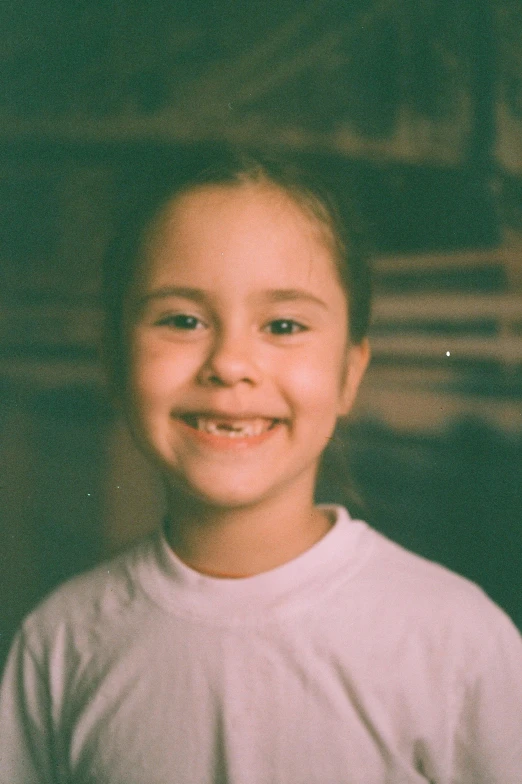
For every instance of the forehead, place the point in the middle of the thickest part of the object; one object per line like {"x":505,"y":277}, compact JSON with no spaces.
{"x":235,"y":230}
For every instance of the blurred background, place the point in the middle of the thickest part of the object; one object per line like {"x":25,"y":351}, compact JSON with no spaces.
{"x":418,"y":105}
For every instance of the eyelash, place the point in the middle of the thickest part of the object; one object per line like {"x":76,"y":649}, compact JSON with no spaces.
{"x":286,"y":326}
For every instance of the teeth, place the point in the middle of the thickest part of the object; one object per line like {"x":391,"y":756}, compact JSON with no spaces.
{"x":238,"y":429}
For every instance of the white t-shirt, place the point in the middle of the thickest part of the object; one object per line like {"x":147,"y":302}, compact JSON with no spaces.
{"x":355,"y":663}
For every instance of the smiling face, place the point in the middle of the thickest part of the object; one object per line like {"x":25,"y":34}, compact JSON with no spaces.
{"x":239,"y":356}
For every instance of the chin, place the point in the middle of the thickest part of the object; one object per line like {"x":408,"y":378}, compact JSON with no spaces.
{"x":217,"y":503}
{"x":223,"y":497}
{"x":227,"y":498}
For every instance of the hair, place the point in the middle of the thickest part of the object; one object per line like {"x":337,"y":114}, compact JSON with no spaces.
{"x":156,"y":183}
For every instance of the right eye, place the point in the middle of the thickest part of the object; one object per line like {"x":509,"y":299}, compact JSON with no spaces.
{"x":285,"y":326}
{"x":181,"y":321}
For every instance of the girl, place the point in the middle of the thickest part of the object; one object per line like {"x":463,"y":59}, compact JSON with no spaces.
{"x":256,"y":637}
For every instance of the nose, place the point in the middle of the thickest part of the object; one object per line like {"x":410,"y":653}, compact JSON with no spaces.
{"x":231,"y":360}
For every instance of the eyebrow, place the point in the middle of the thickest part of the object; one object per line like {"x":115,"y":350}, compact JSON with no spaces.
{"x":164,"y":292}
{"x":200,"y":295}
{"x":293,"y":295}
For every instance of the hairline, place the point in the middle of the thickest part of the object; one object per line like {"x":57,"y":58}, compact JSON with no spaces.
{"x":305,"y":200}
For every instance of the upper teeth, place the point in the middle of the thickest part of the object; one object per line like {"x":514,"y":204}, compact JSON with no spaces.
{"x":233,"y":429}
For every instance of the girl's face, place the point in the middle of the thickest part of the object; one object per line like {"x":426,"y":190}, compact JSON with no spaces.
{"x":239,"y":356}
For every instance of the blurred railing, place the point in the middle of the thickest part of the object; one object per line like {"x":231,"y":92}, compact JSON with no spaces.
{"x":447,"y":339}
{"x":461,"y":321}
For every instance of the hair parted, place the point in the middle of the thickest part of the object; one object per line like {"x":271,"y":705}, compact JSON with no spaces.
{"x":154,"y":184}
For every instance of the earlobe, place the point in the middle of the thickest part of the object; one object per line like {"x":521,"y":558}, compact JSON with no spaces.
{"x":357,"y":360}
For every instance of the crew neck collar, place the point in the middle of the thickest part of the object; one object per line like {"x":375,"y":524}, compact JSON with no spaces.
{"x":182,"y":590}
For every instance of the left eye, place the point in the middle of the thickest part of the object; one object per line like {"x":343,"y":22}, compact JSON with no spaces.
{"x":180,"y":321}
{"x":285,"y":327}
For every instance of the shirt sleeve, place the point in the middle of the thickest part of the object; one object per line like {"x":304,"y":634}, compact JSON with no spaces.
{"x":25,"y":727}
{"x":489,"y":736}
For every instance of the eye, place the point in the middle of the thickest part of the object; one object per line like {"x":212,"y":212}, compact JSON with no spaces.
{"x":285,"y":327}
{"x":181,"y":321}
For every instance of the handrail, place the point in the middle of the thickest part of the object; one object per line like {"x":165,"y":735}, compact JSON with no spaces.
{"x":451,"y":306}
{"x":501,"y":348}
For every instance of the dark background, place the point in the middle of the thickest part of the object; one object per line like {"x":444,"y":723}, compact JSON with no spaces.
{"x":417,"y":106}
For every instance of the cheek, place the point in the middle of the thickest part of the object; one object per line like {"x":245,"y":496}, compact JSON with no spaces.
{"x":316,"y":382}
{"x":156,"y":371}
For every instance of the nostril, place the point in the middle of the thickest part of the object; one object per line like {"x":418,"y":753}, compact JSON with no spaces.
{"x":216,"y":380}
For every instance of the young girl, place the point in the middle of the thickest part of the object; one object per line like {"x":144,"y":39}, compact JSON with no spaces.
{"x":257,"y":638}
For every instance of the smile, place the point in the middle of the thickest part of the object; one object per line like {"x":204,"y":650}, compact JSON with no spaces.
{"x":230,"y":431}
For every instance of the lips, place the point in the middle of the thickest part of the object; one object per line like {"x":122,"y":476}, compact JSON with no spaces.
{"x":227,"y":427}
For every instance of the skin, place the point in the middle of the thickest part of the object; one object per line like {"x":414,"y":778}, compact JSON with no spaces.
{"x":238,"y":312}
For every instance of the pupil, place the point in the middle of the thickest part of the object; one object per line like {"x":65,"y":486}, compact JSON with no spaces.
{"x":185,"y":321}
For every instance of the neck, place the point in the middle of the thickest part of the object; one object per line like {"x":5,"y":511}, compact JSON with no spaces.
{"x":243,"y":541}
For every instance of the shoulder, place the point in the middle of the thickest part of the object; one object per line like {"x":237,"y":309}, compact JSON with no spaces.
{"x":429,"y":596}
{"x":457,"y":658}
{"x":85,"y":603}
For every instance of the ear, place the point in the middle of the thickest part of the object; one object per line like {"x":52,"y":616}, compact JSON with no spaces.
{"x":357,"y":359}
